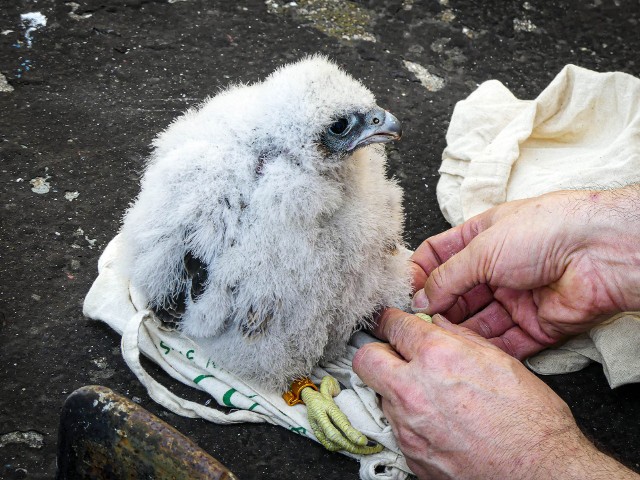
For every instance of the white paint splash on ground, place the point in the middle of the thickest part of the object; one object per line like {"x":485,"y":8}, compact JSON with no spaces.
{"x":40,"y":185}
{"x":32,"y":21}
{"x":430,"y":81}
{"x":71,"y":195}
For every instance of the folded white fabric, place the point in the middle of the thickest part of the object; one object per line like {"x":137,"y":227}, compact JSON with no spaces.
{"x":583,"y":131}
{"x":112,"y":300}
{"x":615,"y":344}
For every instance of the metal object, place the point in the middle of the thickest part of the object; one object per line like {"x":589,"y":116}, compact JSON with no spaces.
{"x":104,"y":435}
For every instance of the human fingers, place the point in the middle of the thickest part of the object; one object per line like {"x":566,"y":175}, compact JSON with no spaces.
{"x":418,"y":276}
{"x":492,"y":321}
{"x":460,"y":330}
{"x":436,"y":250}
{"x":488,"y":249}
{"x":517,"y":343}
{"x":508,"y":323}
{"x":470,"y":303}
{"x":523,"y":307}
{"x":378,"y":365}
{"x":455,"y":277}
{"x":405,"y":332}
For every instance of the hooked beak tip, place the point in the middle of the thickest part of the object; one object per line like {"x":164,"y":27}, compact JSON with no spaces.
{"x":384,"y":128}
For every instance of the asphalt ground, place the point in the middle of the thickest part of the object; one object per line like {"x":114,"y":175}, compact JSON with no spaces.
{"x":82,"y":96}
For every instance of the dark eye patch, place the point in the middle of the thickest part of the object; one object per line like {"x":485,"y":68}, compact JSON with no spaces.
{"x":337,"y":136}
{"x":339,"y":126}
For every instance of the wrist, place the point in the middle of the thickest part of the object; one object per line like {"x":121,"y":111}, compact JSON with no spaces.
{"x":574,"y":457}
{"x":616,"y":242}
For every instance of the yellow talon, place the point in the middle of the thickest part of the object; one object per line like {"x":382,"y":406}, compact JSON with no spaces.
{"x":330,"y":426}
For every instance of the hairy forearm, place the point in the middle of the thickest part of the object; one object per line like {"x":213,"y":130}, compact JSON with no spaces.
{"x":603,"y":467}
{"x":578,"y":459}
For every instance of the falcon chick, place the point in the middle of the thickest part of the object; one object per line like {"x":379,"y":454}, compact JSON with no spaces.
{"x":266,"y":223}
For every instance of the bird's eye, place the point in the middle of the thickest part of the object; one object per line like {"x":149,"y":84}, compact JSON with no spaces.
{"x":339,"y":126}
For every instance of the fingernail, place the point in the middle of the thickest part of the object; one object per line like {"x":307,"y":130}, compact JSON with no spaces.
{"x":420,"y":302}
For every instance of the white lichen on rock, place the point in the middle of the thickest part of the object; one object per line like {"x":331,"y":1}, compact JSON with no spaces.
{"x":430,"y":81}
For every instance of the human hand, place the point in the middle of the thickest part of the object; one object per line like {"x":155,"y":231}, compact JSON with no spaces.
{"x":461,"y":408}
{"x":528,"y":273}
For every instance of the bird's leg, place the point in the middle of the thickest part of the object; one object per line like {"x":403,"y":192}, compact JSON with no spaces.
{"x":331,"y":427}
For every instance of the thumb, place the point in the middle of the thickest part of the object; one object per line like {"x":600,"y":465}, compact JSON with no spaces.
{"x":453,"y":278}
{"x":418,"y":275}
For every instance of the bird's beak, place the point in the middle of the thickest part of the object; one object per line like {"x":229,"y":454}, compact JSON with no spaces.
{"x":382,"y":127}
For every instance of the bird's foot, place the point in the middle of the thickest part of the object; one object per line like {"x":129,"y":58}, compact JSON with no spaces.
{"x":331,"y":427}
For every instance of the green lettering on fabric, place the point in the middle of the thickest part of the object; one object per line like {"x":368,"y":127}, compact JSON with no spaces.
{"x":299,"y":430}
{"x":212,"y":363}
{"x":226,"y":399}
{"x":199,"y":378}
{"x":165,"y":347}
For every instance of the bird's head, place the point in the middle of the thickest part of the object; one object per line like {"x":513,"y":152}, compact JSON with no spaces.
{"x":323,"y":113}
{"x":357,"y":129}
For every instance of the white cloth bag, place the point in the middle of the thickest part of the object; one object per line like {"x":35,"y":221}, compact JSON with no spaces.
{"x":583,"y":131}
{"x":113,"y":301}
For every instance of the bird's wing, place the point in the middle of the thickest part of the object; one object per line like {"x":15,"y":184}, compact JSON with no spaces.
{"x":195,"y":271}
{"x":251,"y":324}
